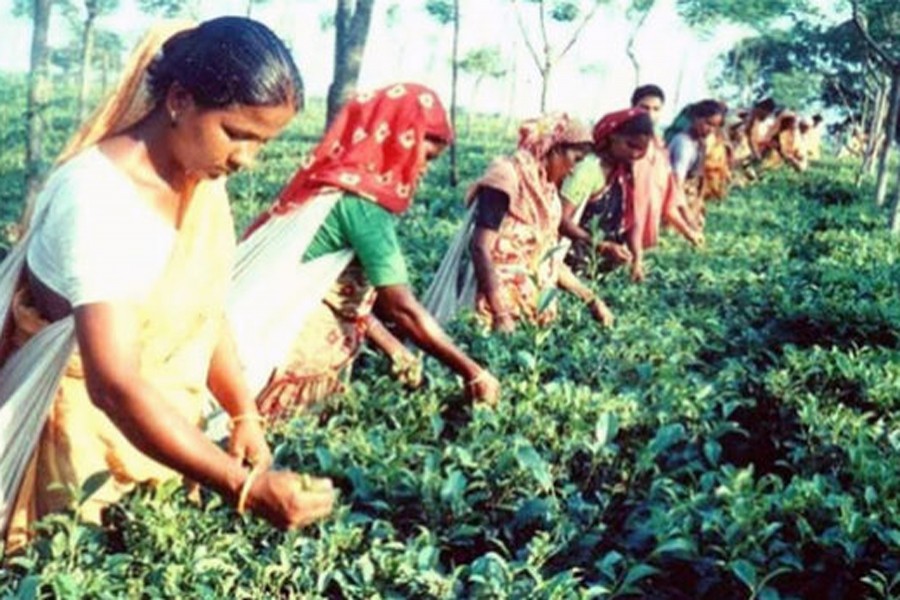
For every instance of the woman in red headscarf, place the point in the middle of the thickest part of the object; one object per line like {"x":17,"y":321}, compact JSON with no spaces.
{"x":598,"y":195}
{"x":373,"y":155}
{"x":516,"y":233}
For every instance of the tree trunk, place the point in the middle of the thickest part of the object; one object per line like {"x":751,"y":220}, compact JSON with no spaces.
{"x":476,"y":85}
{"x":104,"y":77}
{"x":895,"y":209}
{"x":454,"y":169}
{"x":890,"y":133}
{"x":351,"y":32}
{"x":87,"y":51}
{"x":873,"y":131}
{"x":629,"y":48}
{"x":676,"y":99}
{"x":38,"y":93}
{"x":545,"y":85}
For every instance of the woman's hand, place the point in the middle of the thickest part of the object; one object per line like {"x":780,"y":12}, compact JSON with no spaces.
{"x":483,"y":389}
{"x":618,"y":253}
{"x":601,"y":312}
{"x":407,"y":368}
{"x":504,"y":323}
{"x":288,"y":500}
{"x":637,"y":272}
{"x":248,"y":442}
{"x":697,"y":239}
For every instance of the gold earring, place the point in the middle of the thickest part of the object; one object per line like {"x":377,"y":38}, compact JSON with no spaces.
{"x":173,"y":116}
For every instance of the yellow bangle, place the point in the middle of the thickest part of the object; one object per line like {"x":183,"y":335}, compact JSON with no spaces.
{"x":248,"y":417}
{"x":245,"y":489}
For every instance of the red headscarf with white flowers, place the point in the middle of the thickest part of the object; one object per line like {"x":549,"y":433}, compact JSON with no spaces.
{"x":606,"y":127}
{"x":373,"y":148}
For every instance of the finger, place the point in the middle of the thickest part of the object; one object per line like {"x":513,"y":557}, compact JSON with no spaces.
{"x":315,"y":505}
{"x":238,"y":450}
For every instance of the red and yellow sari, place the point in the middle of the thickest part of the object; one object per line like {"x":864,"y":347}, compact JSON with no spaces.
{"x":374,"y":149}
{"x":525,"y":256}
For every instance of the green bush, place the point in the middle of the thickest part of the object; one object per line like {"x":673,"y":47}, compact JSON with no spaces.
{"x":734,"y":434}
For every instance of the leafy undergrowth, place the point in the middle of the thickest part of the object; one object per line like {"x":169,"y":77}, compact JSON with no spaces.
{"x":733,"y":435}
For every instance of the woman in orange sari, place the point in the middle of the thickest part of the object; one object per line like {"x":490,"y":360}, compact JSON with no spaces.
{"x":785,"y":144}
{"x":517,"y":217}
{"x":133,"y":221}
{"x":716,"y":167}
{"x":372,"y":157}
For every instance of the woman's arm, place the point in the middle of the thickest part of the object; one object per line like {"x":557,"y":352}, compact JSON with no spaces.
{"x":107,"y":337}
{"x":569,"y":226}
{"x":483,"y":240}
{"x":407,"y":366}
{"x":227,"y":384}
{"x":398,"y":305}
{"x":569,"y":282}
{"x":635,"y":244}
{"x":673,"y":216}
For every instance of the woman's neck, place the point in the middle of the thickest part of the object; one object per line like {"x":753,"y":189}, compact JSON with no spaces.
{"x":153,"y":136}
{"x":143,"y":153}
{"x":607,"y":164}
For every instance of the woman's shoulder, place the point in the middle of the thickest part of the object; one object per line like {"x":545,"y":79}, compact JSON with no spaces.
{"x":88,"y":174}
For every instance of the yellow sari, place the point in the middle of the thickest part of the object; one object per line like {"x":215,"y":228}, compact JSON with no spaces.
{"x":179,"y":331}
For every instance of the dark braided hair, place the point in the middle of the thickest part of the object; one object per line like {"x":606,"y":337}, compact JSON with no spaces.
{"x":228,"y":61}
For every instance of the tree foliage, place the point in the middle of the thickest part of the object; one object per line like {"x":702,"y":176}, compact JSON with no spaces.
{"x":879,"y":20}
{"x":169,"y":8}
{"x":753,"y":13}
{"x":809,"y":62}
{"x":441,"y":11}
{"x":483,"y":62}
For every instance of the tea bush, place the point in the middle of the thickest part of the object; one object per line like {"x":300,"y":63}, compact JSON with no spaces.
{"x":734,"y":435}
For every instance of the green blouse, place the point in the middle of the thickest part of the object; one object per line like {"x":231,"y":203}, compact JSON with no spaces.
{"x":368,"y":229}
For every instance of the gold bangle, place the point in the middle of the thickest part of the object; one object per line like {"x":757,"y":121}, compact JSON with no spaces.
{"x":245,"y":489}
{"x":248,"y":417}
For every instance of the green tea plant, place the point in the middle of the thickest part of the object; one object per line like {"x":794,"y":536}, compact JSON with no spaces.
{"x":734,"y":435}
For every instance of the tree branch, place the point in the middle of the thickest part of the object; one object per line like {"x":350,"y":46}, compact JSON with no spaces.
{"x":528,"y":44}
{"x":880,"y":52}
{"x":580,"y":28}
{"x":543,"y":21}
{"x":629,"y":48}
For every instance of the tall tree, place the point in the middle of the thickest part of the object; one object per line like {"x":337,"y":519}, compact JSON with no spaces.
{"x":446,"y":12}
{"x":108,"y":51}
{"x":637,"y":11}
{"x":560,"y":12}
{"x":38,"y":96}
{"x":93,"y":10}
{"x":878,"y":23}
{"x":351,"y":25}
